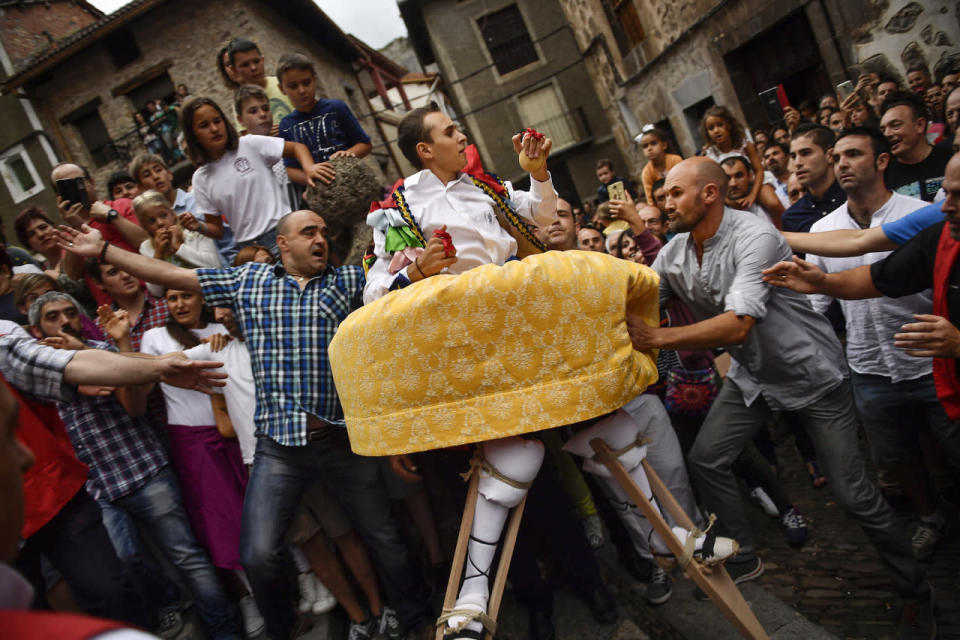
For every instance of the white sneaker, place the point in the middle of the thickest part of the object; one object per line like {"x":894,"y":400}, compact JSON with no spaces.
{"x":308,"y":592}
{"x":761,"y":498}
{"x":253,"y":623}
{"x":324,"y":601}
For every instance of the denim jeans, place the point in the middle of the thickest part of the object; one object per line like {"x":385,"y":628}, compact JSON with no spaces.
{"x":279,"y":477}
{"x":266,"y":239}
{"x":891,"y":413}
{"x":77,"y":545}
{"x":157,"y":505}
{"x":832,"y":424}
{"x":155,"y":588}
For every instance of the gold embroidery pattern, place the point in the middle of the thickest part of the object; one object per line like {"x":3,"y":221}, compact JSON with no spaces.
{"x":493,"y":352}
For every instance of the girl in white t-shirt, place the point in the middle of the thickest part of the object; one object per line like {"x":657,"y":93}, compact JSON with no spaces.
{"x":235,"y":178}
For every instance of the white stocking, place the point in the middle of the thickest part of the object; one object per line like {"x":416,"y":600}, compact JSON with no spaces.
{"x":518,"y":460}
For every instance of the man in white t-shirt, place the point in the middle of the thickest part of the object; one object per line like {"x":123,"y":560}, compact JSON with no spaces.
{"x":894,"y":391}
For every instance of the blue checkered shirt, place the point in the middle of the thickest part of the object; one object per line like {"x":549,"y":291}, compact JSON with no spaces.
{"x":287,"y":332}
{"x":122,"y":451}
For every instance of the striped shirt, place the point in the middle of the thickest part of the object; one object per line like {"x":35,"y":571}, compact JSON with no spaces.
{"x":288,"y":331}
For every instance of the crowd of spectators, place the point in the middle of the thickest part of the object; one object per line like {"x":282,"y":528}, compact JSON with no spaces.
{"x":148,"y":498}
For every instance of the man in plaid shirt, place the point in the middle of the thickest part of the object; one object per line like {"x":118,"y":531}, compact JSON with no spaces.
{"x":288,"y":314}
{"x":128,"y":463}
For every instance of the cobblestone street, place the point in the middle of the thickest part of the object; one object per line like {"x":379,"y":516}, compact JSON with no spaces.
{"x":836,"y":579}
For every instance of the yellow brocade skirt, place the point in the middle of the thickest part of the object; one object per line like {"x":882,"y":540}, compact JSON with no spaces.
{"x":493,"y":352}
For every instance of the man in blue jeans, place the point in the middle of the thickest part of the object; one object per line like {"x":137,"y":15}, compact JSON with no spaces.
{"x":288,"y":314}
{"x":129,"y":466}
{"x":892,"y":389}
{"x":785,"y":357}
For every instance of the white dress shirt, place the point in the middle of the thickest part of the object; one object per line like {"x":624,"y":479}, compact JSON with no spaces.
{"x":468,"y":212}
{"x":872,"y":323}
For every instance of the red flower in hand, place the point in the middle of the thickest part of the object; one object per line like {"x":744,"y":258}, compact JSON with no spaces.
{"x":447,"y":241}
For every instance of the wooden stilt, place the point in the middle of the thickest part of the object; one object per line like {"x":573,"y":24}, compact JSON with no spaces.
{"x":460,"y":556}
{"x":460,"y":552}
{"x":715,"y":581}
{"x":506,"y":555}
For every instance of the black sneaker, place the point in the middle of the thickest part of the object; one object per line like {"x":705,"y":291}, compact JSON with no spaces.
{"x":740,"y":572}
{"x":796,"y":527}
{"x":170,"y":622}
{"x":660,"y":587}
{"x":917,"y":622}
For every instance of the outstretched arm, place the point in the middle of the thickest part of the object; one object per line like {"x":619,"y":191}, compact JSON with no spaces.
{"x":88,"y":243}
{"x":841,"y":243}
{"x":723,"y":330}
{"x":804,"y":277}
{"x":109,"y":369}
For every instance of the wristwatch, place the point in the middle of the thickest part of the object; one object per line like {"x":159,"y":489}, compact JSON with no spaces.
{"x":112,"y":215}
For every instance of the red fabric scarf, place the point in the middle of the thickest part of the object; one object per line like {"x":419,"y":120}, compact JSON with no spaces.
{"x":945,"y":369}
{"x":45,"y":625}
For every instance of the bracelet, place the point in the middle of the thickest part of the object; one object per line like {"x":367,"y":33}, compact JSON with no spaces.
{"x":416,"y":263}
{"x":103,"y":252}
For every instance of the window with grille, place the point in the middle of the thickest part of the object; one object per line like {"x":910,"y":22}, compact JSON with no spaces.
{"x":507,"y":39}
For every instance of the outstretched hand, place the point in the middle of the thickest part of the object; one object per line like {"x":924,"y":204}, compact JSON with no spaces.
{"x":179,"y":371}
{"x":86,"y":243}
{"x":115,"y":323}
{"x":799,"y":275}
{"x":930,"y":337}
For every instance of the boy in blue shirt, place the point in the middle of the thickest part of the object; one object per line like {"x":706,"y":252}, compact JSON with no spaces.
{"x":327,"y":127}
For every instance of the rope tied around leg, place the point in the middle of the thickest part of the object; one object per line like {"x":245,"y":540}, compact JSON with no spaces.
{"x":690,"y":545}
{"x":614,"y":454}
{"x":469,"y":615}
{"x":480,"y":462}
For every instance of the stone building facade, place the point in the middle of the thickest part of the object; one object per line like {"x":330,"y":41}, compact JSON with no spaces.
{"x":512,"y":64}
{"x":665,"y":63}
{"x":27,"y":152}
{"x":87,"y":86}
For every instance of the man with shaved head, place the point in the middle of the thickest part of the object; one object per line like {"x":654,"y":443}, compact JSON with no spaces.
{"x":289,"y":313}
{"x":785,"y":357}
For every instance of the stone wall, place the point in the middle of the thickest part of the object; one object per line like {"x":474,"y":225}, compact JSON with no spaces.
{"x":905,"y":31}
{"x":22,"y":27}
{"x":188,"y":34}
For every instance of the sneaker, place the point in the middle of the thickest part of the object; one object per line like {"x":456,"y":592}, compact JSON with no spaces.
{"x":660,"y":587}
{"x":325,"y":600}
{"x":917,"y":622}
{"x":796,"y":527}
{"x":169,"y":623}
{"x":308,"y":591}
{"x":739,"y":572}
{"x":764,"y":502}
{"x":390,"y":624}
{"x":253,"y":623}
{"x":362,"y":630}
{"x":594,"y":531}
{"x":926,"y":538}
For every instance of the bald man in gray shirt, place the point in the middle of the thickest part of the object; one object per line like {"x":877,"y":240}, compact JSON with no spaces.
{"x":785,"y":356}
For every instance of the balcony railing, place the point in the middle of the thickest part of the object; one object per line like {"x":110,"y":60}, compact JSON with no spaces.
{"x":565,"y":129}
{"x":125,"y":147}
